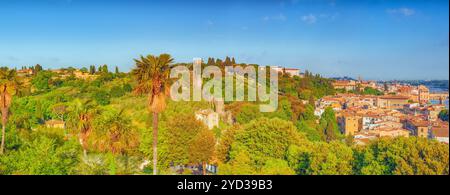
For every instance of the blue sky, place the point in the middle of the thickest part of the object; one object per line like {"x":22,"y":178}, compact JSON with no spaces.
{"x":373,"y":39}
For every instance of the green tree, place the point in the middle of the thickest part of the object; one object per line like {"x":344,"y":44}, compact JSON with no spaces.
{"x":227,"y":62}
{"x":202,"y":148}
{"x":330,"y":132}
{"x":92,"y":69}
{"x":127,"y":88}
{"x":211,"y":62}
{"x":402,"y":156}
{"x":308,"y":114}
{"x":42,"y":156}
{"x":371,"y":91}
{"x":328,"y":125}
{"x":284,"y":111}
{"x":225,"y":142}
{"x":321,"y":158}
{"x":233,"y":61}
{"x":37,"y":68}
{"x":265,"y":138}
{"x":182,"y":130}
{"x":443,"y":115}
{"x":104,"y":69}
{"x":117,"y":91}
{"x":117,"y":70}
{"x":102,"y":97}
{"x":152,"y":76}
{"x":80,"y":118}
{"x":241,"y":164}
{"x":114,"y":133}
{"x":309,"y":128}
{"x":84,"y":70}
{"x":219,"y":63}
{"x":248,"y":113}
{"x":42,"y":81}
{"x":276,"y":167}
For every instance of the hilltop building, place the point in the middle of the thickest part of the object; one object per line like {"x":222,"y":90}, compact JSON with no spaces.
{"x":288,"y":71}
{"x":25,"y":72}
{"x":208,"y":117}
{"x":348,"y":85}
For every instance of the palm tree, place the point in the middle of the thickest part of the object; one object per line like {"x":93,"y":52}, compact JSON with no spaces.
{"x":152,"y":75}
{"x":9,"y":84}
{"x":81,"y":115}
{"x":114,"y":133}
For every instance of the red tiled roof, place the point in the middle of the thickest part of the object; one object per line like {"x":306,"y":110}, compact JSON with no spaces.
{"x":394,"y":97}
{"x":440,"y":131}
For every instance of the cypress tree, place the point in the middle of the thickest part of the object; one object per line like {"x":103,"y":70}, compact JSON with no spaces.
{"x":219,"y":62}
{"x":210,"y":61}
{"x":227,"y":61}
{"x":105,"y":68}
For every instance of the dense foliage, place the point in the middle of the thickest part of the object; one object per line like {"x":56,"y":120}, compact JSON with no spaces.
{"x":443,"y":115}
{"x":108,"y":130}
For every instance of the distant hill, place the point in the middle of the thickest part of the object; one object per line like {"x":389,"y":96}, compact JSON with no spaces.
{"x":343,"y":78}
{"x":434,"y":85}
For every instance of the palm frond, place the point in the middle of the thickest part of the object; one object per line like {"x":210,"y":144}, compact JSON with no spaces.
{"x":152,"y":76}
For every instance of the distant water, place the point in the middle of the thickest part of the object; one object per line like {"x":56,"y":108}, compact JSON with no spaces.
{"x":437,"y":88}
{"x":437,"y":102}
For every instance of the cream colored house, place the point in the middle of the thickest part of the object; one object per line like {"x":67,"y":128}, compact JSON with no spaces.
{"x":58,"y":124}
{"x":392,"y":102}
{"x":424,"y":94}
{"x":292,"y":71}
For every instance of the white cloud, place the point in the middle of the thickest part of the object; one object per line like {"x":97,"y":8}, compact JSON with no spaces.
{"x":310,"y":19}
{"x":403,"y":11}
{"x":279,"y":17}
{"x":329,"y":16}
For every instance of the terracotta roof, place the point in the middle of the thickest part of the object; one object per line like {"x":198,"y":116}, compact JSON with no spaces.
{"x":25,"y":71}
{"x":394,"y":97}
{"x":419,"y":123}
{"x":440,"y":131}
{"x":343,"y":83}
